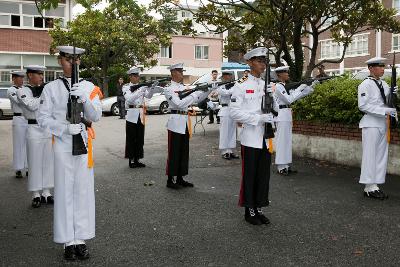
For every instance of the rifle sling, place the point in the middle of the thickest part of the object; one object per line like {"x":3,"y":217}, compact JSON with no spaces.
{"x":381,"y":89}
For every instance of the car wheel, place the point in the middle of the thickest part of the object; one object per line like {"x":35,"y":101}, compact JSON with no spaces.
{"x":115,"y":109}
{"x":164,"y":107}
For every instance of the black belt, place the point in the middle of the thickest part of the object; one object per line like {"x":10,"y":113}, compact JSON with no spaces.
{"x":32,"y":121}
{"x":284,"y":106}
{"x":133,"y":106}
{"x":181,"y":112}
{"x":17,"y":114}
{"x":224,"y":105}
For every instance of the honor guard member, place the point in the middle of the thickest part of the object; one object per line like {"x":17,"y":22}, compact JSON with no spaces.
{"x":179,"y":128}
{"x":39,"y":143}
{"x":372,"y":101}
{"x":74,"y":207}
{"x":227,"y":129}
{"x":19,"y":125}
{"x":135,"y":117}
{"x":245,"y":108}
{"x":283,"y":136}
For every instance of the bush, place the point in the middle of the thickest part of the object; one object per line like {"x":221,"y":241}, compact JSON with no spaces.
{"x":332,"y":101}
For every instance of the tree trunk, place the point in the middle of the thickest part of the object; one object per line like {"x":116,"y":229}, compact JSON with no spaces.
{"x":313,"y":57}
{"x":105,"y":80}
{"x":297,"y":71}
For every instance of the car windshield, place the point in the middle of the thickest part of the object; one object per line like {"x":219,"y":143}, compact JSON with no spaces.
{"x":3,"y":93}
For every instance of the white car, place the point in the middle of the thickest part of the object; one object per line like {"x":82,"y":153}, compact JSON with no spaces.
{"x":157,"y":103}
{"x":5,"y":104}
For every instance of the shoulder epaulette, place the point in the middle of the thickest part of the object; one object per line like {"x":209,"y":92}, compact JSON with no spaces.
{"x":243,"y":79}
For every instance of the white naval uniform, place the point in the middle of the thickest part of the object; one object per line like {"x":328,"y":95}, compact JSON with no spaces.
{"x":245,"y":107}
{"x":135,"y":98}
{"x":227,"y":129}
{"x":39,"y":144}
{"x":374,"y":129}
{"x":177,"y":122}
{"x":283,"y":135}
{"x":19,"y":129}
{"x":74,"y":202}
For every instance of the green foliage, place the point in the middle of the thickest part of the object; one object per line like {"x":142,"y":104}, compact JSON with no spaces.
{"x":332,"y":101}
{"x":120,"y":36}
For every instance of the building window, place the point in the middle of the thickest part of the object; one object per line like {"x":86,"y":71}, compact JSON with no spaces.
{"x":5,"y":76}
{"x":27,"y":15}
{"x":166,"y":52}
{"x":49,"y":75}
{"x":201,"y":52}
{"x":186,"y":14}
{"x":396,"y":42}
{"x":330,"y":49}
{"x":358,"y":46}
{"x":396,"y":5}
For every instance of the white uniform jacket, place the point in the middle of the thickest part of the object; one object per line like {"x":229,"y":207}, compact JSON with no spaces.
{"x":177,"y":122}
{"x":135,"y":99}
{"x":245,"y":108}
{"x":53,"y":110}
{"x":370,"y":102}
{"x":224,"y":96}
{"x":284,"y":98}
{"x":12,"y":95}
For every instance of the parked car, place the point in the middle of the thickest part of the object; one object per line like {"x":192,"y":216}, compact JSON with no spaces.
{"x":5,"y":104}
{"x":157,"y":104}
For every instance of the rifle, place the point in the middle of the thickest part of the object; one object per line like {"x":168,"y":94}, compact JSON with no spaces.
{"x":308,"y":81}
{"x":392,"y":99}
{"x":204,"y":87}
{"x":149,"y":83}
{"x":267,"y":101}
{"x":75,"y":112}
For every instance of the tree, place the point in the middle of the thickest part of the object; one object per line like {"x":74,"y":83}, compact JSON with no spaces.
{"x":283,"y":25}
{"x":121,"y":35}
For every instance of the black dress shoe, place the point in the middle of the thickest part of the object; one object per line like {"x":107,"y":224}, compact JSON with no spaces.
{"x":36,"y":202}
{"x":42,"y":199}
{"x":262,"y":217}
{"x":173,"y":185}
{"x":291,"y":171}
{"x":218,"y":122}
{"x":226,"y":156}
{"x":283,"y":172}
{"x":184,"y":183}
{"x":139,"y":164}
{"x":210,"y":122}
{"x":132,"y":165}
{"x":82,"y":252}
{"x":50,"y":200}
{"x":374,"y":194}
{"x":69,"y":253}
{"x":26,"y":174}
{"x":18,"y":174}
{"x":234,"y":156}
{"x":383,"y":195}
{"x":254,"y":220}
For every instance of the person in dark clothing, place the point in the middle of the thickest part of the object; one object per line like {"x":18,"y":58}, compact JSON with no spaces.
{"x":120,"y":98}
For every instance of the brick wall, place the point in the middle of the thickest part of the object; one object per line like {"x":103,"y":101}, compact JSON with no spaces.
{"x":335,"y":130}
{"x":20,"y":40}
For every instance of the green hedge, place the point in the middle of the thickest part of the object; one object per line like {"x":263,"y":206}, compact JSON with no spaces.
{"x":332,"y":101}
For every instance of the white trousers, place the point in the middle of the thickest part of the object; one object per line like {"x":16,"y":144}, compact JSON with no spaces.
{"x":227,"y":134}
{"x":74,"y":203}
{"x":19,"y":129}
{"x":283,"y":143}
{"x":374,"y":156}
{"x":40,"y":159}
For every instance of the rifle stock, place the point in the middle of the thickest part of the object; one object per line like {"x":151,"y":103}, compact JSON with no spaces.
{"x":392,"y":100}
{"x":149,"y":83}
{"x":309,"y":81}
{"x":204,"y":87}
{"x":75,"y":112}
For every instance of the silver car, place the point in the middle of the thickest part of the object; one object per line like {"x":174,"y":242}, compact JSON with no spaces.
{"x":157,"y":103}
{"x":5,"y":104}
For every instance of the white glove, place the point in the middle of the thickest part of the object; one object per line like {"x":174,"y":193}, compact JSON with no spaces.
{"x":395,"y":89}
{"x":211,"y":105}
{"x":314,"y":83}
{"x":154,"y":85}
{"x":269,"y":88}
{"x":391,"y":112}
{"x":74,"y":129}
{"x":78,"y":91}
{"x":307,"y":90}
{"x":267,"y":118}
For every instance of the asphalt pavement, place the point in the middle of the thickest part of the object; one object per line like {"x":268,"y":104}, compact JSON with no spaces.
{"x":319,"y":217}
